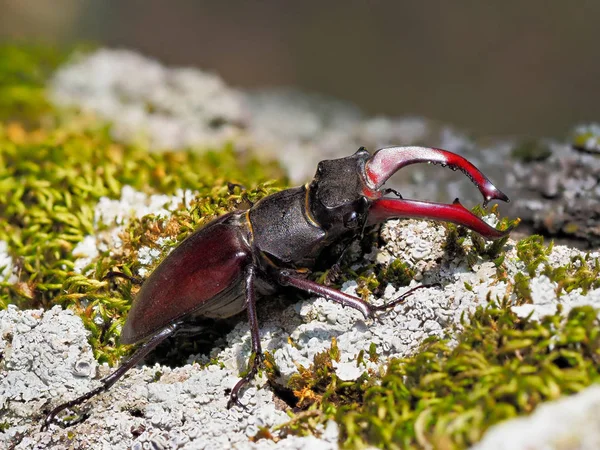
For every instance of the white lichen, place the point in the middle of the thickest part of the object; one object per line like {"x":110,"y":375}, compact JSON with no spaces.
{"x":568,"y":423}
{"x":111,"y":217}
{"x":168,"y":108}
{"x":7,"y":270}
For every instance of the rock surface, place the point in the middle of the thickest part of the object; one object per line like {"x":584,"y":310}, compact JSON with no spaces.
{"x":569,"y":423}
{"x":46,"y":358}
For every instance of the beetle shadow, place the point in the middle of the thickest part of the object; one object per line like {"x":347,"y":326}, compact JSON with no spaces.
{"x":197,"y":337}
{"x":204,"y":336}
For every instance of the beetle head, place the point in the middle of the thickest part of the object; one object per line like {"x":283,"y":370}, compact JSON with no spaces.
{"x":346,"y":193}
{"x":336,"y":194}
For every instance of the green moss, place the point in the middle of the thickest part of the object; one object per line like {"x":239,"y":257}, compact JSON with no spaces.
{"x":521,"y":288}
{"x":319,"y":392}
{"x":582,"y":272}
{"x":398,"y":273}
{"x":367,"y":284}
{"x":52,"y":178}
{"x":24,"y":72}
{"x":479,"y":249}
{"x":447,"y":397}
{"x":532,"y":252}
{"x":587,"y":138}
{"x":531,"y":150}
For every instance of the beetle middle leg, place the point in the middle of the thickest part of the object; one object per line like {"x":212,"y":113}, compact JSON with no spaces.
{"x":257,"y":355}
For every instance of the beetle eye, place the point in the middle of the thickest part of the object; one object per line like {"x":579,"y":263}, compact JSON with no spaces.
{"x":351,"y":220}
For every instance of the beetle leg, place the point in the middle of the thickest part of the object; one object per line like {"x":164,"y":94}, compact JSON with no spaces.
{"x":111,"y":379}
{"x":392,"y":191}
{"x":312,"y":287}
{"x":390,"y":208}
{"x":257,"y":355}
{"x":403,"y":297}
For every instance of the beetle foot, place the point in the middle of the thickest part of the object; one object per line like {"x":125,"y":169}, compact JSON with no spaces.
{"x":234,"y":398}
{"x":51,"y":419}
{"x":255,"y":360}
{"x":403,"y":297}
{"x":392,"y":191}
{"x":235,"y":401}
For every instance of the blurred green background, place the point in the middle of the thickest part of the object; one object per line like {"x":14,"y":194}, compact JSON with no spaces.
{"x":494,"y":68}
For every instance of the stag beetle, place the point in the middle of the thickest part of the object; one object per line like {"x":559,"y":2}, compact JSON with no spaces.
{"x":220,"y":269}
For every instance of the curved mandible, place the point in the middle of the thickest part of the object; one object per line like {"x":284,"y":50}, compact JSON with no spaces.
{"x":393,"y":208}
{"x":387,"y":161}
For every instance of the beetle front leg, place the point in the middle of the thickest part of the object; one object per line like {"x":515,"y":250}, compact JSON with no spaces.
{"x":403,"y":297}
{"x":312,"y":287}
{"x":287,"y":279}
{"x":257,"y":356}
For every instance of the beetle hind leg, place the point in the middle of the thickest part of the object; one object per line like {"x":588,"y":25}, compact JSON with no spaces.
{"x":257,"y":356}
{"x":111,"y":379}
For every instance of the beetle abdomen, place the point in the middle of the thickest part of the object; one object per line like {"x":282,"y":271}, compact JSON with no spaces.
{"x":203,"y":275}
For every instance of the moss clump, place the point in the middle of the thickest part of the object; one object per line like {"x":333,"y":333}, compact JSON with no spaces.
{"x":532,"y":252}
{"x":531,"y":150}
{"x":54,"y":168}
{"x":319,"y":392}
{"x":24,"y":72}
{"x":397,"y":272}
{"x":586,"y":138}
{"x":448,"y":396}
{"x":373,"y":278}
{"x":582,"y":272}
{"x":457,"y":237}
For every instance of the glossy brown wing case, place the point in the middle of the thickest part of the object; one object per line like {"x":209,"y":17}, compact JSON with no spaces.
{"x":202,"y":275}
